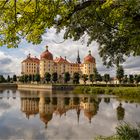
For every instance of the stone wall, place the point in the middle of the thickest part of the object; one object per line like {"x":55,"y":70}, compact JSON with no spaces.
{"x":34,"y":86}
{"x":46,"y":87}
{"x":8,"y":85}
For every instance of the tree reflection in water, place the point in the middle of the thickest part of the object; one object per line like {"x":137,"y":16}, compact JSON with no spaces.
{"x":120,"y":112}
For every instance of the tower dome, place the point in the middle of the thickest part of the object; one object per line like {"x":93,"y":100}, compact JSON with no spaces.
{"x":46,"y":54}
{"x":45,"y":117}
{"x":89,"y":58}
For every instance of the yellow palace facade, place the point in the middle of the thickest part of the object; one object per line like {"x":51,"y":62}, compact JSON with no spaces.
{"x":59,"y":65}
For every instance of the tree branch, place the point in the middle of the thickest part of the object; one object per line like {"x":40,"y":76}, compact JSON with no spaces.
{"x":76,"y":9}
{"x":15,"y":7}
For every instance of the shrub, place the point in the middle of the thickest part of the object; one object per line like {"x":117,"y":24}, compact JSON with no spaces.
{"x":123,"y":132}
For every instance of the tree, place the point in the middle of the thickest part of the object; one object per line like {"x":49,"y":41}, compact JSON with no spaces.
{"x":120,"y":73}
{"x":37,"y":78}
{"x":137,"y":79}
{"x":131,"y":79}
{"x":96,"y":74}
{"x":99,"y":77}
{"x":8,"y":78}
{"x":66,"y":77}
{"x":125,"y":80}
{"x":76,"y":77}
{"x":91,"y":78}
{"x":33,"y":77}
{"x":2,"y":79}
{"x":30,"y":78}
{"x":25,"y":78}
{"x":47,"y":77}
{"x":109,"y":22}
{"x":21,"y":78}
{"x":54,"y":77}
{"x":14,"y":78}
{"x":106,"y":78}
{"x":85,"y":78}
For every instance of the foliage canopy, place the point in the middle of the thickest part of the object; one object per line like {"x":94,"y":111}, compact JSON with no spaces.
{"x":120,"y":73}
{"x":114,"y":24}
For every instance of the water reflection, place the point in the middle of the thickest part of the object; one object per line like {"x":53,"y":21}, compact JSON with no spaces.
{"x":47,"y":115}
{"x":60,"y":105}
{"x":120,"y":112}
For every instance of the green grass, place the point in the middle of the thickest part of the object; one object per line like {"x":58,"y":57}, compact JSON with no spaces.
{"x":123,"y":92}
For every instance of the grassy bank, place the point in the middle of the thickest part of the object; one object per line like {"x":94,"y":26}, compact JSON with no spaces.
{"x":133,"y":92}
{"x":124,"y":132}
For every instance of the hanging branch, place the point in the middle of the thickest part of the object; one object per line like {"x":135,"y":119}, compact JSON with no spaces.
{"x":76,"y":9}
{"x":15,"y":7}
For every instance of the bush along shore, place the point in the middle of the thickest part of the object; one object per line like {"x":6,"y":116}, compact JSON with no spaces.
{"x":124,"y":132}
{"x":123,"y":92}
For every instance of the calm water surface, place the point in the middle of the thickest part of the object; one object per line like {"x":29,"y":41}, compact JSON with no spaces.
{"x":44,"y":115}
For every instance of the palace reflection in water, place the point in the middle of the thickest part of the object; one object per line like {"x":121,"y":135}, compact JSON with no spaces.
{"x":58,"y":104}
{"x":26,"y":114}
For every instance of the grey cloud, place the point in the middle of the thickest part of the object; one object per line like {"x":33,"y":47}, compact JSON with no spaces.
{"x":6,"y":71}
{"x":5,"y":61}
{"x":4,"y":105}
{"x":9,"y":65}
{"x":132,"y":62}
{"x":12,"y":126}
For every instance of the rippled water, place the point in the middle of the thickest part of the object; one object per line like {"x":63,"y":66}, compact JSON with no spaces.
{"x":45,"y":115}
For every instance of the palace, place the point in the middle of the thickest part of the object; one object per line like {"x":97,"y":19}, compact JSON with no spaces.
{"x":32,"y":65}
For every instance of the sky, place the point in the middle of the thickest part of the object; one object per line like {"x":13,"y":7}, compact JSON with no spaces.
{"x":10,"y":59}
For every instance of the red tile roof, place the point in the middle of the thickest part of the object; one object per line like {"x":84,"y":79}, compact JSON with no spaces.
{"x":89,"y":58}
{"x":46,"y":55}
{"x":31,"y":59}
{"x":61,"y":60}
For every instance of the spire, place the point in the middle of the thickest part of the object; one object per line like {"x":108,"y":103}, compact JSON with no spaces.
{"x":89,"y":52}
{"x":78,"y":114}
{"x":27,"y":116}
{"x":78,"y":58}
{"x":46,"y":48}
{"x":29,"y":55}
{"x":46,"y":126}
{"x":90,"y":120}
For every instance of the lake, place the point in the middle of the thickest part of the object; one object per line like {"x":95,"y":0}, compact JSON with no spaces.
{"x":59,"y":115}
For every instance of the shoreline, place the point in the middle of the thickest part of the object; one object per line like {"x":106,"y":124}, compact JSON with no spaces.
{"x":121,"y":92}
{"x":47,"y":86}
{"x":65,"y":86}
{"x":127,"y":92}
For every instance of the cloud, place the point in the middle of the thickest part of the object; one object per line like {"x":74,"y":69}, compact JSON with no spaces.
{"x":59,"y":47}
{"x":9,"y":65}
{"x":5,"y":61}
{"x":4,"y":105}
